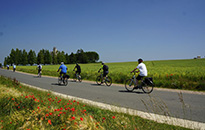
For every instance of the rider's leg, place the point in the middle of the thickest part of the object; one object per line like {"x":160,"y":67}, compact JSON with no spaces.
{"x":137,"y":80}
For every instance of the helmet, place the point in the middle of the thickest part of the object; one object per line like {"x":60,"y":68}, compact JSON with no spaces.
{"x":62,"y":63}
{"x":103,"y":63}
{"x":140,"y":60}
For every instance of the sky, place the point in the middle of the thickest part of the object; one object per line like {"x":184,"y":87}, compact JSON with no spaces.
{"x":118,"y":30}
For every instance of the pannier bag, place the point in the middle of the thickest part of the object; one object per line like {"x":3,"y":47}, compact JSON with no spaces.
{"x":149,"y":80}
{"x":67,"y":76}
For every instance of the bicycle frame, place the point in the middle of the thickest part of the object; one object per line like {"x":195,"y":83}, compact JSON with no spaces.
{"x":135,"y":81}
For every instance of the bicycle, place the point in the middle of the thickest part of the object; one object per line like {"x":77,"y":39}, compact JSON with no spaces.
{"x":63,"y":79}
{"x":146,"y":85}
{"x":107,"y":80}
{"x":39,"y":73}
{"x":77,"y":77}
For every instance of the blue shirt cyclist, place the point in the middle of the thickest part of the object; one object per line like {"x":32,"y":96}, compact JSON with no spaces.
{"x":63,"y":69}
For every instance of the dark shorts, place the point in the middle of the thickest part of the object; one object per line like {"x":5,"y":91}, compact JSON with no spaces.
{"x":105,"y":73}
{"x":39,"y":70}
{"x":139,"y":77}
{"x":78,"y":72}
{"x":62,"y":73}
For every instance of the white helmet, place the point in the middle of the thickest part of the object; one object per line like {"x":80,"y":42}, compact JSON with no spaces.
{"x":62,"y":63}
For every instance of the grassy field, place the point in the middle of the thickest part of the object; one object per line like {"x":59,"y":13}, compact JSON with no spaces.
{"x":26,"y":108}
{"x":177,"y":74}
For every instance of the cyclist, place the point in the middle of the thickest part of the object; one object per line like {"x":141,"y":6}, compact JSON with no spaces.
{"x":142,"y":69}
{"x":39,"y":67}
{"x":78,"y":71}
{"x":7,"y":67}
{"x":105,"y":70}
{"x":63,"y":69}
{"x":14,"y":67}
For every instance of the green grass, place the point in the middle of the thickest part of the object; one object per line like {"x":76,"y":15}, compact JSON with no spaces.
{"x":177,"y":74}
{"x":26,"y":108}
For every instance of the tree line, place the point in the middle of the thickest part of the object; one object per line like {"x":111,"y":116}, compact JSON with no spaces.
{"x":21,"y":57}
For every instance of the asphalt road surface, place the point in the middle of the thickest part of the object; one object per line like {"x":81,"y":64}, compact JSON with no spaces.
{"x":179,"y":104}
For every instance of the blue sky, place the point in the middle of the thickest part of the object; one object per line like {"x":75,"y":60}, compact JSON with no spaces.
{"x":118,"y":30}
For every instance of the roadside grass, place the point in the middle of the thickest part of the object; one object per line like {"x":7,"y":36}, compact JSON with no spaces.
{"x":27,"y":108}
{"x":175,"y":74}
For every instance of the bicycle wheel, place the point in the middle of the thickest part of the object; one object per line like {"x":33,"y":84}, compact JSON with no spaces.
{"x":65,"y":81}
{"x":129,"y":85}
{"x":99,"y":80}
{"x":147,"y":88}
{"x":79,"y":78}
{"x":59,"y":80}
{"x":108,"y":81}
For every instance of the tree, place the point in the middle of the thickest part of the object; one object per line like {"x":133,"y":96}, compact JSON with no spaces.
{"x":67,"y":58}
{"x":47,"y":57}
{"x":61,"y":57}
{"x":31,"y":57}
{"x":72,"y":58}
{"x":40,"y":57}
{"x":92,"y":57}
{"x":81,"y":56}
{"x":24,"y":58}
{"x":12,"y":58}
{"x":18,"y":57}
{"x":54,"y":58}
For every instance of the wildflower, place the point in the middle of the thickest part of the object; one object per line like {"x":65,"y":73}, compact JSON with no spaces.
{"x":49,"y":121}
{"x":73,"y":118}
{"x":103,"y":118}
{"x":26,"y":96}
{"x":47,"y":114}
{"x":81,"y":119}
{"x":50,"y":113}
{"x":73,"y":109}
{"x":113,"y":117}
{"x":48,"y":94}
{"x":38,"y":107}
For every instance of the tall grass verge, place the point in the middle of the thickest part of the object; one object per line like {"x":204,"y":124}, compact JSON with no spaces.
{"x":26,"y":108}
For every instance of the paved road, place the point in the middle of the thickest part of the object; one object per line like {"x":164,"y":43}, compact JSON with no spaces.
{"x":190,"y":106}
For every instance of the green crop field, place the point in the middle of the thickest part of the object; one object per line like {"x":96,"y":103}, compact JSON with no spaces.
{"x":178,"y":74}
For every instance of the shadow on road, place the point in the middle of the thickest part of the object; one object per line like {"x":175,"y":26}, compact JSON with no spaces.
{"x":95,"y":85}
{"x":57,"y":84}
{"x":125,"y":91}
{"x":36,"y":77}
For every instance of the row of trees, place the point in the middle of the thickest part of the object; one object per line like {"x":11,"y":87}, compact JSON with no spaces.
{"x":21,"y":57}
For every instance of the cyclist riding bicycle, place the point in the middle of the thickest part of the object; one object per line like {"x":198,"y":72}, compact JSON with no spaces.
{"x":142,"y":69}
{"x":105,"y":70}
{"x":78,"y":71}
{"x":63,"y":69}
{"x":39,"y":67}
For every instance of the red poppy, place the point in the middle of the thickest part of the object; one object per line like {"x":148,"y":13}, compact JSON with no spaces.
{"x":73,"y":118}
{"x":113,"y":117}
{"x":49,"y":121}
{"x":81,"y":119}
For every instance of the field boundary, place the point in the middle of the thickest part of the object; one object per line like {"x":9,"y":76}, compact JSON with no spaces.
{"x":150,"y":116}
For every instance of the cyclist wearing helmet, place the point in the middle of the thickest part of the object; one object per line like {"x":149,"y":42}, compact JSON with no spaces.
{"x":105,"y":70}
{"x":63,"y":69}
{"x":78,"y":71}
{"x":142,"y":69}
